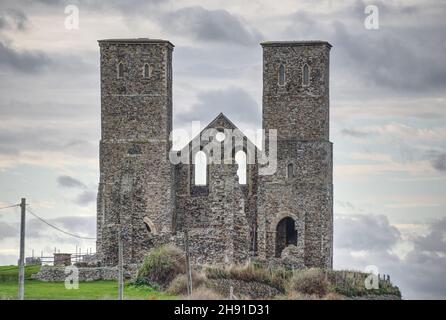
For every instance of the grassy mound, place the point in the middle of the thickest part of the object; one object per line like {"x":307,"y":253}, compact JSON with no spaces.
{"x":306,"y":283}
{"x":251,"y":273}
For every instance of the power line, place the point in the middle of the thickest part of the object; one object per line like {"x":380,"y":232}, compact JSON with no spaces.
{"x":57,"y":228}
{"x":11,"y":206}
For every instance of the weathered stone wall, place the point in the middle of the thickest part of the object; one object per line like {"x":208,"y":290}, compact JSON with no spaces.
{"x":219,"y":215}
{"x":136,"y":177}
{"x":300,"y":114}
{"x":154,"y":202}
{"x":57,"y":273}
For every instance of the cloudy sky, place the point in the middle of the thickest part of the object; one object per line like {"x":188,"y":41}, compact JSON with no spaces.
{"x":388,"y":119}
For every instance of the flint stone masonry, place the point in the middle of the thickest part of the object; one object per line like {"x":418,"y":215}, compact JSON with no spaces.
{"x":284,"y":218}
{"x":62,"y":259}
{"x":57,"y":273}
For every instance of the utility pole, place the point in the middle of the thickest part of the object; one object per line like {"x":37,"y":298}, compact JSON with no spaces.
{"x":22,"y":251}
{"x":120,"y":266}
{"x":188,"y":267}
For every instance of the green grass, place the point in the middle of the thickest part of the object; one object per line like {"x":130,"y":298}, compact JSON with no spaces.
{"x":95,"y":290}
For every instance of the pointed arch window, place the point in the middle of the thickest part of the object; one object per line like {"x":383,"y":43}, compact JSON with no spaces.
{"x":281,"y":75}
{"x":147,"y":71}
{"x":200,"y":169}
{"x":120,"y":70}
{"x":305,"y":75}
{"x":240,"y":159}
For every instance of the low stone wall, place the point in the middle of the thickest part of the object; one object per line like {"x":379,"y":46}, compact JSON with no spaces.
{"x":254,"y":290}
{"x":57,"y":273}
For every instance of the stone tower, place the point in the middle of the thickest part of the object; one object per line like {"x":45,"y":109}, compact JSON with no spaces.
{"x":136,"y":178}
{"x":295,"y":204}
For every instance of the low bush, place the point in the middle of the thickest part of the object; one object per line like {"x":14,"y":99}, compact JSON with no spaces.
{"x":161,"y":266}
{"x":310,"y":282}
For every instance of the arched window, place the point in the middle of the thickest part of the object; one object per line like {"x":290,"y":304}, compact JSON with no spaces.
{"x":200,"y":168}
{"x":120,"y":70}
{"x":147,"y":72}
{"x":305,"y":75}
{"x":240,"y":159}
{"x":290,"y":171}
{"x":281,"y":75}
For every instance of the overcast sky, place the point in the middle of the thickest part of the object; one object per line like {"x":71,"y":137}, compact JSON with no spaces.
{"x":388,"y":119}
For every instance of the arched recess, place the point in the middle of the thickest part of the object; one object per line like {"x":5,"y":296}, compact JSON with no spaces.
{"x":120,"y":70}
{"x":286,"y":234}
{"x":305,"y":75}
{"x":200,"y":169}
{"x":150,"y":226}
{"x":281,"y":75}
{"x":147,"y":71}
{"x":290,"y":171}
{"x":240,"y":159}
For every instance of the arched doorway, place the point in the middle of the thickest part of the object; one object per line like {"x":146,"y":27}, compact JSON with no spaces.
{"x":286,"y":234}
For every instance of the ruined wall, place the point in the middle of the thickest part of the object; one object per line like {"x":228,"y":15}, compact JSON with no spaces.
{"x":220,"y":215}
{"x":154,"y":202}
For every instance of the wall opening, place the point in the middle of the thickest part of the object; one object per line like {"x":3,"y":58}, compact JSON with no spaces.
{"x":290,"y":171}
{"x":120,"y":70}
{"x":281,"y":75}
{"x":147,"y":71}
{"x":286,"y":234}
{"x":240,"y":159}
{"x":150,"y":227}
{"x":200,"y":169}
{"x":306,"y":75}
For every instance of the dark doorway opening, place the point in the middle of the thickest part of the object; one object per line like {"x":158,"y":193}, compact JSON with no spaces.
{"x":286,"y":235}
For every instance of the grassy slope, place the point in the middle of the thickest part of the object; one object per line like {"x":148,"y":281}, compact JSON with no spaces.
{"x":35,"y":289}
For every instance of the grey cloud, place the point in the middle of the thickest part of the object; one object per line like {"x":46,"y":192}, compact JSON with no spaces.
{"x":210,"y":25}
{"x":13,"y":19}
{"x":23,"y":61}
{"x":85,"y":198}
{"x":129,"y":7}
{"x":420,"y":274}
{"x":355,"y":133}
{"x":391,"y":58}
{"x":406,"y":56}
{"x":435,"y":241}
{"x":82,"y":226}
{"x":69,"y":182}
{"x":8,"y":230}
{"x":437,"y":159}
{"x":16,"y":142}
{"x":234,"y":102}
{"x":365,"y":232}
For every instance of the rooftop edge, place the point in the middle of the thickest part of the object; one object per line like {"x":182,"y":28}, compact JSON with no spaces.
{"x":135,"y":40}
{"x":295,"y":43}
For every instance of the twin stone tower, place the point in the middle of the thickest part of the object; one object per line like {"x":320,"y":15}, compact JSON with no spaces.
{"x":285,"y":217}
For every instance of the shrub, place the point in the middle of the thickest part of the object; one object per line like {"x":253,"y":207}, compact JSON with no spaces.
{"x":310,"y":282}
{"x":161,"y":266}
{"x":179,"y":284}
